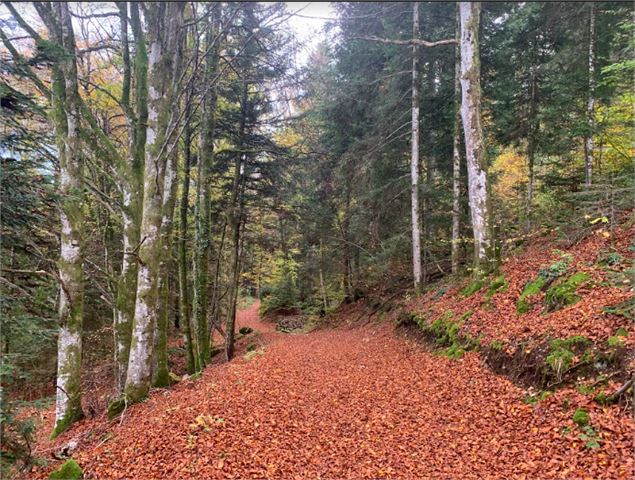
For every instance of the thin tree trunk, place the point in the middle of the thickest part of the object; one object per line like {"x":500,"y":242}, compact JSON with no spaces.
{"x":322,"y":286}
{"x":589,"y":145}
{"x":531,"y":145}
{"x":215,"y":304}
{"x":161,"y":374}
{"x":164,"y":21}
{"x":474,"y":142}
{"x":414,"y":160}
{"x":184,"y":297}
{"x":456,"y":152}
{"x":66,"y":117}
{"x":202,"y":227}
{"x":235,"y":262}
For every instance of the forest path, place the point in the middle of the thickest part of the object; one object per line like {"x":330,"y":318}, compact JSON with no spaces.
{"x":343,"y":403}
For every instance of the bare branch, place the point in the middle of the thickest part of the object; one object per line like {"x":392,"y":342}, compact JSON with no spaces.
{"x":411,"y":41}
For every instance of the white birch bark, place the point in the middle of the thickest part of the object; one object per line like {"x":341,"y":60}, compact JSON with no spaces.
{"x":473,"y":132}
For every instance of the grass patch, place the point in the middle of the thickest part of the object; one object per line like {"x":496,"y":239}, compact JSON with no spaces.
{"x":534,"y":287}
{"x":473,"y":287}
{"x":499,"y":284}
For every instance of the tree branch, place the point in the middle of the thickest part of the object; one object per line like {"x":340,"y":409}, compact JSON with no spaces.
{"x":411,"y":41}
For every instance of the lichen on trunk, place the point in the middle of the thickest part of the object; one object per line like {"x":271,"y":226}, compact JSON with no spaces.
{"x":473,"y":132}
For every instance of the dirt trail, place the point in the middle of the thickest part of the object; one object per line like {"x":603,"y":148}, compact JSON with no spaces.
{"x":350,"y":403}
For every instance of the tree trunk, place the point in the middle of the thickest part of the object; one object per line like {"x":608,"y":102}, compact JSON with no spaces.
{"x":456,"y":152}
{"x":588,"y":144}
{"x":322,"y":285}
{"x":414,"y":160}
{"x":131,"y":179}
{"x":202,"y":215}
{"x":531,"y":145}
{"x":164,"y":21}
{"x":184,"y":297}
{"x":234,"y":223}
{"x":472,"y":129}
{"x":161,"y":374}
{"x":66,"y":117}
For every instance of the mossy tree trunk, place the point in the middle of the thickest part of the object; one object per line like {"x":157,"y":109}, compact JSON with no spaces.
{"x":164,"y":22}
{"x":184,"y":288}
{"x":65,"y":112}
{"x":202,"y":212}
{"x":456,"y":153}
{"x":131,"y":178}
{"x":161,"y":374}
{"x":589,"y":145}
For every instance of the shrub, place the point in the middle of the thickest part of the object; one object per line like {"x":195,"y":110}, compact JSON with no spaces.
{"x":615,"y":342}
{"x":611,"y":258}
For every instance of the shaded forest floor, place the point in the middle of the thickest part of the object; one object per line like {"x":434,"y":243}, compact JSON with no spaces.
{"x":355,"y":402}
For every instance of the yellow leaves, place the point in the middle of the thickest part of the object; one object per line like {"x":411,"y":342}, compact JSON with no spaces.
{"x":510,"y":170}
{"x":206,"y":422}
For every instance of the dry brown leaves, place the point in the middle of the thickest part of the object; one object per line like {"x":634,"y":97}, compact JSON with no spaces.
{"x":497,"y":319}
{"x":351,"y":403}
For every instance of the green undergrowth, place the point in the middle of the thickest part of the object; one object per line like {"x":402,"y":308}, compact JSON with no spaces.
{"x":587,"y":434}
{"x":69,"y":470}
{"x":557,"y":295}
{"x":563,"y":293}
{"x":547,"y":277}
{"x":445,"y":333}
{"x":498,"y":284}
{"x":534,"y":287}
{"x":563,"y":353}
{"x":473,"y":287}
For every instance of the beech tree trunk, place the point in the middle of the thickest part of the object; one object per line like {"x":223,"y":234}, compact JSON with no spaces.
{"x":66,"y":116}
{"x":164,"y":21}
{"x":456,"y":152}
{"x":588,"y":144}
{"x":131,"y":179}
{"x":473,"y":132}
{"x":414,"y":158}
